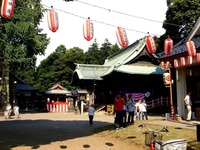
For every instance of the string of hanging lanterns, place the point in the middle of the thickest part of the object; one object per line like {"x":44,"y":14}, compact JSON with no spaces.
{"x":88,"y":33}
{"x":7,"y":10}
{"x":190,"y":46}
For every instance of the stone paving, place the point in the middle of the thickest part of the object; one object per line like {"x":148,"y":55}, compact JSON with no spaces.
{"x":56,"y":131}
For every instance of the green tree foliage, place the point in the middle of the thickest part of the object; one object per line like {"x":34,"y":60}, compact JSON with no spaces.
{"x":105,"y":51}
{"x":93,"y":55}
{"x":96,"y":55}
{"x":180,"y":18}
{"x":22,"y":39}
{"x":58,"y":67}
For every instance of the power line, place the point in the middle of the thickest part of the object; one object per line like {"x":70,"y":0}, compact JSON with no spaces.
{"x":118,"y":12}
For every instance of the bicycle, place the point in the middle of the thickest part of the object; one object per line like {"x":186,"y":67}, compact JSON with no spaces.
{"x":153,"y":135}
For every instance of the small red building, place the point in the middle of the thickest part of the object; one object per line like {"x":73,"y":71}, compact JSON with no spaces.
{"x":58,"y":99}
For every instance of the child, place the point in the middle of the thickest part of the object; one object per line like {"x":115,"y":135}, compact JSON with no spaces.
{"x":91,"y":114}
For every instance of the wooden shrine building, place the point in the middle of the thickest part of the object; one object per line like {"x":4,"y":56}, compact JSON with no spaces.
{"x":186,"y":75}
{"x":58,"y":99}
{"x":130,"y":70}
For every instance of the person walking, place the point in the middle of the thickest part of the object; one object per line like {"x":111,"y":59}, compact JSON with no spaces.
{"x":91,"y":114}
{"x":130,"y":108}
{"x":144,"y":110}
{"x":188,"y":104}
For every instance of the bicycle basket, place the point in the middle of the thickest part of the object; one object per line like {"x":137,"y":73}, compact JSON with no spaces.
{"x":149,"y":136}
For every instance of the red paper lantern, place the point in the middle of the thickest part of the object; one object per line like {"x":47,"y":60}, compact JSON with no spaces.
{"x":189,"y":60}
{"x":175,"y":63}
{"x":122,"y":37}
{"x":168,"y":46}
{"x":167,"y":64}
{"x":162,"y":64}
{"x":182,"y":61}
{"x":151,"y":44}
{"x":52,"y":18}
{"x":7,"y":8}
{"x":88,"y":30}
{"x":198,"y":57}
{"x":191,"y":48}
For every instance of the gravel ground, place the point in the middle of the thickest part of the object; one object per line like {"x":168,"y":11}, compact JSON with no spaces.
{"x":57,"y":131}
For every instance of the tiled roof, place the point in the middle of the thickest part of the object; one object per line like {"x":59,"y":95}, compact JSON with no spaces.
{"x":24,"y":87}
{"x":121,"y":61}
{"x":58,"y":89}
{"x":140,"y":68}
{"x":126,"y":54}
{"x":88,"y":72}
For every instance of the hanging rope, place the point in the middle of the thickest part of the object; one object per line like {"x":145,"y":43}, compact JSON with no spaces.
{"x":125,"y":14}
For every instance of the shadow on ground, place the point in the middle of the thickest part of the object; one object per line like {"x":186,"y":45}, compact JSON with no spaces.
{"x":14,"y":133}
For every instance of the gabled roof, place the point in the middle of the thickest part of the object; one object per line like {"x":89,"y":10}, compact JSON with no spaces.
{"x":125,"y":55}
{"x":140,"y":68}
{"x":88,"y":72}
{"x":128,"y":60}
{"x":58,"y":89}
{"x":24,"y":87}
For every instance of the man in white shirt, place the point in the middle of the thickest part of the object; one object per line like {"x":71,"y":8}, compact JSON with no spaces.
{"x":188,"y":104}
{"x":91,"y":114}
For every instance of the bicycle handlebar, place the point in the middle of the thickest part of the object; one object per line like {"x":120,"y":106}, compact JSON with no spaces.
{"x":153,"y":130}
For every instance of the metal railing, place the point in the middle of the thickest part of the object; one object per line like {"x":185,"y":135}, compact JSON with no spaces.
{"x":158,"y":103}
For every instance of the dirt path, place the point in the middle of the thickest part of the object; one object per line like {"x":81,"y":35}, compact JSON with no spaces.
{"x":56,"y":131}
